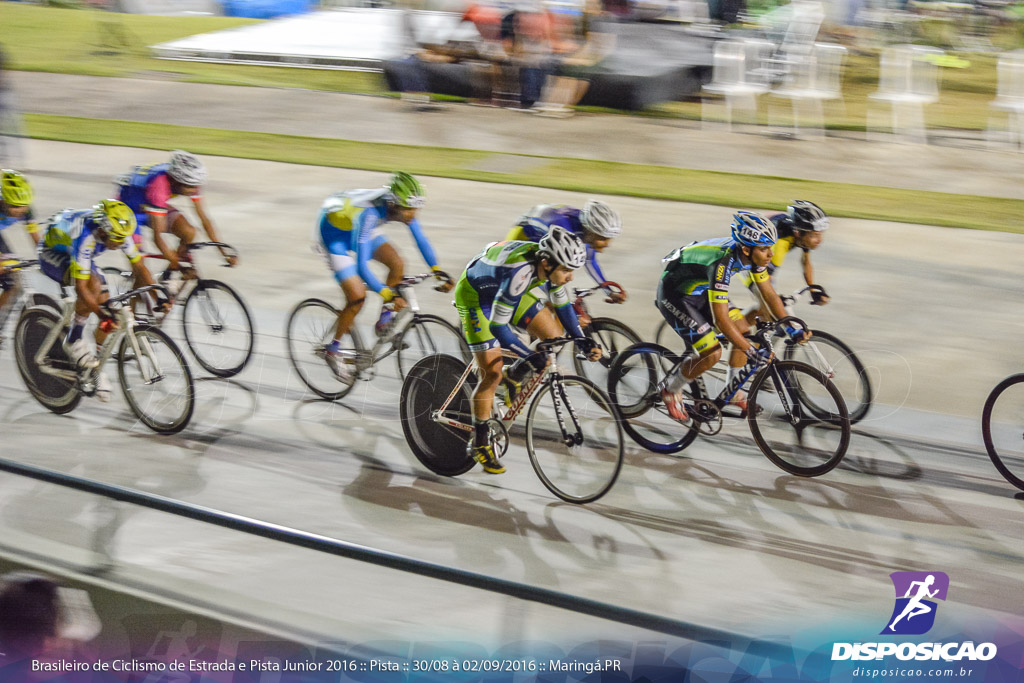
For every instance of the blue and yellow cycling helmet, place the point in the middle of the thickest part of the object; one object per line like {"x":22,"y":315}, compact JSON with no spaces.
{"x":14,"y":188}
{"x":752,"y":230}
{"x":406,"y":191}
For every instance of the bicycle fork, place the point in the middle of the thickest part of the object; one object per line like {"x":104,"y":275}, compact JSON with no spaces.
{"x":560,"y":399}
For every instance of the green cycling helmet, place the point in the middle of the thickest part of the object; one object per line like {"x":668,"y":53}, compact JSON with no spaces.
{"x":406,"y":191}
{"x":14,"y":188}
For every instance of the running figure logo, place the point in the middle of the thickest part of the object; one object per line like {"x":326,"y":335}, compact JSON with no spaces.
{"x":914,"y":612}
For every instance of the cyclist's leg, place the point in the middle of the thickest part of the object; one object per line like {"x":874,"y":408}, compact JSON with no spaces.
{"x":179,"y":226}
{"x":8,"y":287}
{"x":690,"y":317}
{"x":386,"y":254}
{"x":354,"y":291}
{"x":488,"y":358}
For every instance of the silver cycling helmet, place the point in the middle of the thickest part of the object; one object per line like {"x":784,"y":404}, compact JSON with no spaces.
{"x":752,"y":230}
{"x":806,"y":215}
{"x":186,"y":168}
{"x":563,"y":247}
{"x":600,"y":219}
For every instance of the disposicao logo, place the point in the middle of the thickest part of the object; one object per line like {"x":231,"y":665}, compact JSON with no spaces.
{"x":916,"y":592}
{"x":913,"y":615}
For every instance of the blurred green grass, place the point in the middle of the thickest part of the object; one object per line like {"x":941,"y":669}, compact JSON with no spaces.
{"x":72,"y":41}
{"x":659,"y":182}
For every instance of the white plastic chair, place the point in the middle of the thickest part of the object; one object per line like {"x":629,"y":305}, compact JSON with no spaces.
{"x":813,"y":81}
{"x":729,"y":81}
{"x":1009,"y":99}
{"x":908,"y":80}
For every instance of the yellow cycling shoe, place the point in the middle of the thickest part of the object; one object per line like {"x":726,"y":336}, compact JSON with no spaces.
{"x":486,"y":457}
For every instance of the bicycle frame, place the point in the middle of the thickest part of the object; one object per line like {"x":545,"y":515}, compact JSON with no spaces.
{"x":550,"y":375}
{"x":126,"y":326}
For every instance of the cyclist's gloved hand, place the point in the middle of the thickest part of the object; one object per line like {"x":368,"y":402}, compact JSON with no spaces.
{"x":445,"y":279}
{"x":589,"y":347}
{"x":819,"y":297}
{"x":757,"y":355}
{"x":797,"y":334}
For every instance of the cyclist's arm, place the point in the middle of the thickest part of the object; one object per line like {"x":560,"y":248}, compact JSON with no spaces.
{"x":364,"y":225}
{"x":208,"y":226}
{"x":158,"y":221}
{"x":559,"y":298}
{"x":423,"y":243}
{"x":768,"y":294}
{"x":808,"y":268}
{"x":504,"y":307}
{"x":32,"y":228}
{"x":594,"y":269}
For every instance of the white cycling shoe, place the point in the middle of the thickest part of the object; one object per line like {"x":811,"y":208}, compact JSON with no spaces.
{"x":104,"y":389}
{"x":80,"y":353}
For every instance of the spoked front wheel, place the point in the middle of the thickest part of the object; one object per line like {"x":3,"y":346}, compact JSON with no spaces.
{"x":427,"y":335}
{"x":1002,"y":427}
{"x":840,"y":364}
{"x":787,"y":432}
{"x":634,"y":385}
{"x":155,"y":379}
{"x":311,"y":328}
{"x":439,"y":446}
{"x":574,"y":439}
{"x":218,"y":328}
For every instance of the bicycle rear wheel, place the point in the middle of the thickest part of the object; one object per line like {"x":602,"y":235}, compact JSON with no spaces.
{"x":574,"y":408}
{"x":53,"y":393}
{"x":156,"y":381}
{"x":1002,"y":427}
{"x":218,"y":328}
{"x":614,"y":337}
{"x":311,"y":327}
{"x":635,"y":381}
{"x":440,"y":447}
{"x":840,"y":364}
{"x":427,"y":335}
{"x":786,"y":431}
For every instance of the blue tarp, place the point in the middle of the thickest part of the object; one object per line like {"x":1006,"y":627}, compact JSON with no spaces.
{"x":265,"y":9}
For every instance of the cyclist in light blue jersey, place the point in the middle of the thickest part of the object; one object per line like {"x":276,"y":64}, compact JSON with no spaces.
{"x":349,"y":235}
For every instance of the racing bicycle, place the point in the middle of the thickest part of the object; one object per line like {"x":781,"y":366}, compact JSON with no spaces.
{"x":26,"y":296}
{"x":154,"y":377}
{"x":409,"y":336}
{"x":216,"y":322}
{"x":796,"y":414}
{"x":824,"y":351}
{"x":573,"y":435}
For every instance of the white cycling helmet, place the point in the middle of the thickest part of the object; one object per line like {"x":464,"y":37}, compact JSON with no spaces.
{"x":807,"y":216}
{"x":600,"y":219}
{"x":186,"y":168}
{"x":563,"y":247}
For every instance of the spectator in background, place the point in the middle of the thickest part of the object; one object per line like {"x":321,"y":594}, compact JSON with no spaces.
{"x":490,"y":55}
{"x":529,"y":40}
{"x":11,"y":151}
{"x":410,"y":73}
{"x":583,"y":46}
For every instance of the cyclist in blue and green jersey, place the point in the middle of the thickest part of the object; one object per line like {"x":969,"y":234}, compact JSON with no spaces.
{"x":349,"y":235}
{"x":693,"y":297}
{"x":73,"y":240}
{"x":490,"y":299}
{"x":15,"y":207}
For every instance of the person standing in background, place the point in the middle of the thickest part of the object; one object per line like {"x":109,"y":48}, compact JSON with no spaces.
{"x":12,"y":152}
